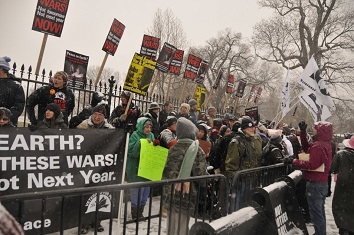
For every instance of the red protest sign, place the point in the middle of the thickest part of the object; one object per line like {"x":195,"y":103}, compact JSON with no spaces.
{"x":50,"y":16}
{"x":230,"y":84}
{"x":241,"y":88}
{"x":192,"y":67}
{"x":149,"y":47}
{"x":165,"y":57}
{"x":113,"y":38}
{"x":202,"y":71}
{"x":176,"y":63}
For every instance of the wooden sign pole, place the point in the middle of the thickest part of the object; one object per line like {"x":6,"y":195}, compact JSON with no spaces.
{"x":235,"y":105}
{"x":154,"y":83}
{"x":128,"y":104}
{"x":209,"y":97}
{"x":101,"y":69}
{"x":41,"y":52}
{"x":168,"y":87}
{"x":183,"y":90}
{"x":226,"y":101}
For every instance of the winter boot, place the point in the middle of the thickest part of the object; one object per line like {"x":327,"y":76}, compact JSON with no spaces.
{"x":134,"y":211}
{"x":140,"y":213}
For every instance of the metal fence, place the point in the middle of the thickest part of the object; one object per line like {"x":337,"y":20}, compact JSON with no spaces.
{"x":83,"y":96}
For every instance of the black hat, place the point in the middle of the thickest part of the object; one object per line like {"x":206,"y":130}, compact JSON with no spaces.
{"x":246,"y":121}
{"x":101,"y":108}
{"x":171,"y":120}
{"x":55,"y":108}
{"x":4,"y":112}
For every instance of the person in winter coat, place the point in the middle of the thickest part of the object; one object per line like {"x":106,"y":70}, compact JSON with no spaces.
{"x":165,"y":112}
{"x":202,"y":137}
{"x":97,"y":120}
{"x":274,"y":153}
{"x":57,"y":92}
{"x":5,"y":115}
{"x":168,"y":136}
{"x":128,"y":121}
{"x":181,"y":208}
{"x":343,"y":204}
{"x":320,"y":152}
{"x":193,"y":113}
{"x":12,"y":95}
{"x":183,"y":111}
{"x":143,"y":131}
{"x":8,"y":224}
{"x":53,"y":118}
{"x":153,"y":114}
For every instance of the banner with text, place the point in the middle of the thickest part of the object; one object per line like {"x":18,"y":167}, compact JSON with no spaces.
{"x":165,"y":57}
{"x":193,"y":63}
{"x":149,"y":47}
{"x":75,"y":66}
{"x":252,"y":113}
{"x":199,"y":96}
{"x":176,"y":63}
{"x":230,"y":84}
{"x":140,"y":73}
{"x":50,"y":16}
{"x":113,"y":38}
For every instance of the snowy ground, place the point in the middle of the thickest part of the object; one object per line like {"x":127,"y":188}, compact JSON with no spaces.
{"x":131,"y":228}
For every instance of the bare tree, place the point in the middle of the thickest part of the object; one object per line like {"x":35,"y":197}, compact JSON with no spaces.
{"x":168,"y":28}
{"x":106,"y":74}
{"x":301,"y":29}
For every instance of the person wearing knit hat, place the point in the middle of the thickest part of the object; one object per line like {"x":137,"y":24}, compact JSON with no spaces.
{"x":153,"y":114}
{"x":273,"y":151}
{"x":202,"y":137}
{"x":183,"y":110}
{"x":180,"y":205}
{"x":53,"y":118}
{"x":5,"y":115}
{"x":193,"y":110}
{"x":97,"y":120}
{"x":56,"y":92}
{"x":124,"y":117}
{"x":12,"y":95}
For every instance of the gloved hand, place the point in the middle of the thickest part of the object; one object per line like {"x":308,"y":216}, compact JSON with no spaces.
{"x":123,"y":117}
{"x":156,"y":142}
{"x":288,"y":160}
{"x":303,"y":126}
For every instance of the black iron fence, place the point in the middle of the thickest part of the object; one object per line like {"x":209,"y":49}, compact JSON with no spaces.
{"x":83,"y":95}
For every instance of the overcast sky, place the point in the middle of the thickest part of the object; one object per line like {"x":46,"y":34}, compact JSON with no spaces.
{"x":88,"y":21}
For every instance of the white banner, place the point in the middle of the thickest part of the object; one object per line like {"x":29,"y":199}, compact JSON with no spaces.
{"x":285,"y":100}
{"x":318,"y":111}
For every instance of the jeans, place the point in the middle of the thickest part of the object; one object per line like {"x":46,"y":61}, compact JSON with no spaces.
{"x":316,"y":193}
{"x":144,"y":195}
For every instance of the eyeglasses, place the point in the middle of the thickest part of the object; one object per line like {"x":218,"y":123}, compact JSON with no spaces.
{"x":5,"y":119}
{"x":96,"y":115}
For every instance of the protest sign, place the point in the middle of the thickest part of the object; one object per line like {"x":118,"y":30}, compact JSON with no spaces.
{"x":193,"y":63}
{"x":218,"y":79}
{"x":176,"y":63}
{"x":165,"y":57}
{"x":149,"y":47}
{"x":199,"y":96}
{"x":152,"y":160}
{"x":75,"y":66}
{"x":258,"y":95}
{"x":252,"y":113}
{"x":52,"y":160}
{"x":113,"y":38}
{"x":230,"y":84}
{"x":241,"y":88}
{"x":50,"y":16}
{"x":140,"y":73}
{"x":202,"y":71}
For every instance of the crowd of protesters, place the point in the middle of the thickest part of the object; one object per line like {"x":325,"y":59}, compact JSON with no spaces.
{"x":195,"y":141}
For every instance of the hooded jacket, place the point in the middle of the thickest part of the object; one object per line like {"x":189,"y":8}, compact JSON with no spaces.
{"x":343,"y":204}
{"x":134,"y":150}
{"x":320,"y":151}
{"x":58,"y":123}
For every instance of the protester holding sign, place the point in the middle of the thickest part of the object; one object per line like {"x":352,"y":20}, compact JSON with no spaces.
{"x":56,"y":92}
{"x":143,"y":131}
{"x":128,"y":120}
{"x":53,"y":118}
{"x":320,"y":155}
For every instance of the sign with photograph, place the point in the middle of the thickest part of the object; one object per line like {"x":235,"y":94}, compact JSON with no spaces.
{"x":75,"y":66}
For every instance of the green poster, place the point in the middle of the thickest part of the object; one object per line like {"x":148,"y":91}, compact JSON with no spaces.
{"x":152,"y":160}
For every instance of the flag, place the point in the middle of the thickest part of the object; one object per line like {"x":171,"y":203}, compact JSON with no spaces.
{"x":285,"y":100}
{"x":311,"y":80}
{"x":318,"y":111}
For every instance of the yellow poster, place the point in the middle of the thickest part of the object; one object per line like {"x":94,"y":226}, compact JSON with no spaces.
{"x":140,"y":73}
{"x":152,"y":160}
{"x":199,"y":96}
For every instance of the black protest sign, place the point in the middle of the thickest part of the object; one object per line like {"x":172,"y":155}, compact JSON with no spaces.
{"x":252,"y":113}
{"x":113,"y":38}
{"x":75,"y":66}
{"x":176,"y":63}
{"x":50,"y":16}
{"x":193,"y":63}
{"x":165,"y":57}
{"x":202,"y":71}
{"x":50,"y":159}
{"x":149,"y":47}
{"x":140,"y":73}
{"x":241,"y":88}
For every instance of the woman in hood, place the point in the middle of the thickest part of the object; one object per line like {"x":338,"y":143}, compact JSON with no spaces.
{"x":143,"y":131}
{"x":53,"y":118}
